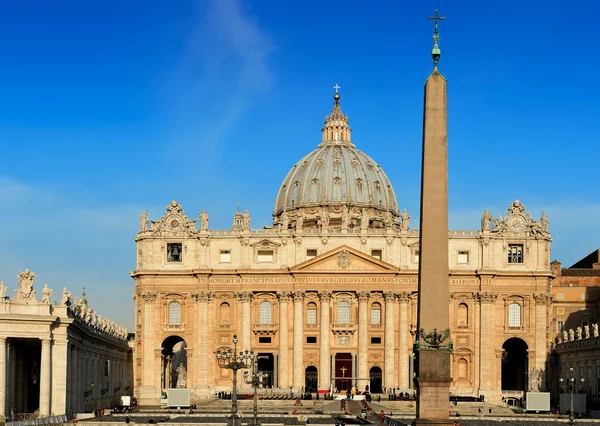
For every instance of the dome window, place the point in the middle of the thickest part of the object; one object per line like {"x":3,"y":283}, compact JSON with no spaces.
{"x":337,"y":180}
{"x":355,"y":161}
{"x":377,"y":185}
{"x":296,"y":184}
{"x":369,"y":165}
{"x":319,"y":162}
{"x":315,"y":181}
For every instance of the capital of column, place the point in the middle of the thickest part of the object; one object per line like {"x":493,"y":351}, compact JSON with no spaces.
{"x":203,"y":296}
{"x":485,"y":297}
{"x":298,"y":296}
{"x":284,"y":296}
{"x":325,"y":296}
{"x":403,"y":297}
{"x":389,"y":296}
{"x":363,"y":295}
{"x":542,"y":298}
{"x":244,"y":296}
{"x":149,"y":296}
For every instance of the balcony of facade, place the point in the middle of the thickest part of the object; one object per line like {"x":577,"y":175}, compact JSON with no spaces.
{"x":265,"y":329}
{"x":343,"y":329}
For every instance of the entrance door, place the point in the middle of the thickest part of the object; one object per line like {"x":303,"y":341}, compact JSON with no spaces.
{"x":343,"y":371}
{"x":266,"y":364}
{"x":311,"y":375}
{"x":375,"y":377}
{"x":514,"y":365}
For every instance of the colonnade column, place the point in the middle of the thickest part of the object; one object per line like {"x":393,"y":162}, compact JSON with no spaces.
{"x":202,"y":354}
{"x":2,"y":376}
{"x":298,"y":339}
{"x":74,"y":379}
{"x":403,"y":358}
{"x":363,"y":339}
{"x":486,"y":357}
{"x":245,"y":297}
{"x":324,"y":351}
{"x":388,"y":338}
{"x":45,"y":378}
{"x":284,"y":344}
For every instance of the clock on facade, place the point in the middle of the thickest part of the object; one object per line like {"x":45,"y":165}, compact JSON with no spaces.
{"x":516,"y":223}
{"x":174,"y":223}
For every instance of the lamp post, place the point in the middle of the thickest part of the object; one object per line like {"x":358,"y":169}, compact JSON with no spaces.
{"x":235,"y":362}
{"x":255,"y":380}
{"x":571,"y":387}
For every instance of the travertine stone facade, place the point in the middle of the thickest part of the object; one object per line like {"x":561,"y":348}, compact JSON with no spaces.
{"x":58,"y":358}
{"x":327,"y":295}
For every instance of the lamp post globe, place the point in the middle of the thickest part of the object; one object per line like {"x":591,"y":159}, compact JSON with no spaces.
{"x":230,"y":360}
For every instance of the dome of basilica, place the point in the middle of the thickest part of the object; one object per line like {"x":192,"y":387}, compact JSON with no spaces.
{"x":336,"y":183}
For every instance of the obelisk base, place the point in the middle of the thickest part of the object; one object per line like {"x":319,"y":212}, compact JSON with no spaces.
{"x":433,"y":383}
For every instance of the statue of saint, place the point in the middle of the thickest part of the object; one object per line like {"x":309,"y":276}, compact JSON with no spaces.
{"x":565,"y":336}
{"x":578,"y":333}
{"x":364,"y":220}
{"x":544,"y":222}
{"x":571,"y":335}
{"x":345,"y":218}
{"x":246,"y":220}
{"x":285,"y":221}
{"x":486,"y":219}
{"x":405,"y":221}
{"x":46,"y":294}
{"x":586,"y":331}
{"x":203,"y":221}
{"x":324,"y":219}
{"x":534,"y":376}
{"x":2,"y":291}
{"x":181,"y":377}
{"x":25,"y":291}
{"x":299,"y":221}
{"x":144,"y":221}
{"x":595,"y":330}
{"x":66,"y":297}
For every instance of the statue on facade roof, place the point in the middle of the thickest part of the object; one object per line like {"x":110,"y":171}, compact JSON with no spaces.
{"x":586,"y":331}
{"x":571,"y":334}
{"x":203,"y":220}
{"x":486,"y":220}
{"x":246,"y":220}
{"x":144,"y":221}
{"x":544,"y":222}
{"x":578,"y":333}
{"x":2,"y":292}
{"x":565,"y":336}
{"x":405,"y":221}
{"x":285,"y":220}
{"x":595,"y":330}
{"x":46,"y":294}
{"x":66,"y":297}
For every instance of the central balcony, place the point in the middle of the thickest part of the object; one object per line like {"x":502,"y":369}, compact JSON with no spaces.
{"x":343,"y":329}
{"x":265,"y":329}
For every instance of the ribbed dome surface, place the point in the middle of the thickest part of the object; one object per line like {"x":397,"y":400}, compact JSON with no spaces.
{"x":336,"y":173}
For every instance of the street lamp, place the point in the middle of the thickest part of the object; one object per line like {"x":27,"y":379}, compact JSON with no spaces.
{"x":571,"y":387}
{"x":255,"y":380}
{"x":235,"y":362}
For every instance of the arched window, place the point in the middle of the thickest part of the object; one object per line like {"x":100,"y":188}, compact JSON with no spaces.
{"x":462,"y":315}
{"x":560,"y":325}
{"x":311,"y":313}
{"x":514,"y":315}
{"x":265,"y":314}
{"x":174,"y":313}
{"x":376,"y":314}
{"x":462,"y":369}
{"x":343,"y":313}
{"x":224,"y":313}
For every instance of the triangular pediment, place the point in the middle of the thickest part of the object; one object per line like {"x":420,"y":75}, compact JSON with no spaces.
{"x":344,"y":259}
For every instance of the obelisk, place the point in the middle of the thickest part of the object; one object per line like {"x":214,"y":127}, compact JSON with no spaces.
{"x":432,"y":342}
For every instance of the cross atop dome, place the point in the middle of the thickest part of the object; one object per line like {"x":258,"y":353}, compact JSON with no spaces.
{"x":336,"y":130}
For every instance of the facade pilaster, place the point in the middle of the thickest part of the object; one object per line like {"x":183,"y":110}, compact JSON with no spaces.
{"x":284,"y":345}
{"x":542,"y":301}
{"x":388,"y":339}
{"x":210,"y":324}
{"x":3,"y":376}
{"x":148,"y":391}
{"x":363,"y":338}
{"x":245,"y":297}
{"x":58,"y":375}
{"x":45,"y":380}
{"x":324,"y":351}
{"x":202,"y":354}
{"x":75,"y":378}
{"x":486,"y":354}
{"x":298,"y":353}
{"x":403,"y":355}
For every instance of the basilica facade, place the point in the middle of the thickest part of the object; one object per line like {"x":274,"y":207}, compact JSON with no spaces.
{"x":327,"y":295}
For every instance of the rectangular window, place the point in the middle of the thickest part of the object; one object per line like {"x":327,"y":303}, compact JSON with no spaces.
{"x":264,"y":340}
{"x":376,"y":316}
{"x":560,"y":296}
{"x":311,"y":253}
{"x":311,"y":316}
{"x":584,"y":296}
{"x":463,"y":257}
{"x":106,"y":368}
{"x":560,"y":325}
{"x":376,"y":340}
{"x":225,"y":256}
{"x":515,"y":253}
{"x":311,"y":339}
{"x":264,"y":256}
{"x":377,"y":254}
{"x":173,"y":252}
{"x":416,"y":256}
{"x":560,"y":310}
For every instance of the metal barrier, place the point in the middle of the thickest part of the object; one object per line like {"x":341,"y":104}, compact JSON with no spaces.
{"x":32,"y":421}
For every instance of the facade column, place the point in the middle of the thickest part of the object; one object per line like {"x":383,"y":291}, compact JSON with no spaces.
{"x":45,"y":381}
{"x":202,"y":354}
{"x":486,"y":343}
{"x":541,"y":322}
{"x":298,"y":353}
{"x":2,"y":376}
{"x":210,"y":325}
{"x":284,"y":344}
{"x":148,"y":391}
{"x":245,"y":297}
{"x":58,"y":375}
{"x":388,"y":338}
{"x":276,"y":370}
{"x":363,"y":339}
{"x":75,"y":377}
{"x":404,"y":362}
{"x":324,"y":350}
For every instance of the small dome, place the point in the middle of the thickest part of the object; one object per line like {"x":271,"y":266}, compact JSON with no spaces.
{"x":336,"y":174}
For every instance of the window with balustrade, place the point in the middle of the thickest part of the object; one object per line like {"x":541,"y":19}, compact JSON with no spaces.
{"x":174,"y":313}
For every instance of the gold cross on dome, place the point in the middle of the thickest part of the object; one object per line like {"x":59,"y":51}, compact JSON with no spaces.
{"x":336,"y":87}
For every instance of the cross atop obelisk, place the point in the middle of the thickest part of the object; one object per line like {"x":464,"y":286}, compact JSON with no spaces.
{"x":435,"y":52}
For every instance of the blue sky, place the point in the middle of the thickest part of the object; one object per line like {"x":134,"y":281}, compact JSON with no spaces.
{"x":109,"y":108}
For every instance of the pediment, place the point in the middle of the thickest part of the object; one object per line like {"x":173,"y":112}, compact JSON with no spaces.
{"x":344,"y":259}
{"x":265,"y":243}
